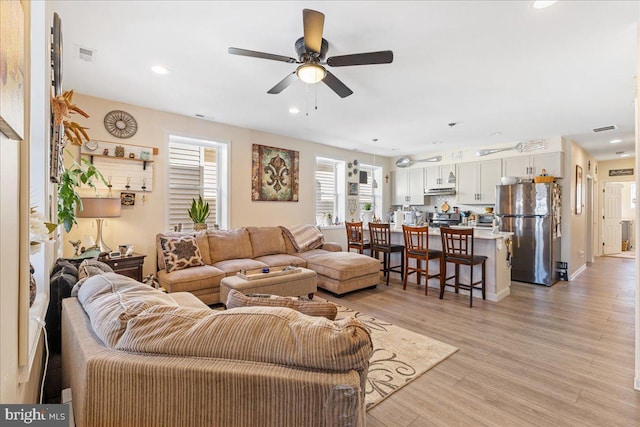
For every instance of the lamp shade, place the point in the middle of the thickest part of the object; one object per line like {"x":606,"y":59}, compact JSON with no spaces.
{"x":311,"y":73}
{"x":99,"y":207}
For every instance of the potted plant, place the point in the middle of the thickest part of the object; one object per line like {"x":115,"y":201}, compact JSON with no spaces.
{"x":68,"y":198}
{"x":199,"y":213}
{"x":367,"y":206}
{"x":367,"y":215}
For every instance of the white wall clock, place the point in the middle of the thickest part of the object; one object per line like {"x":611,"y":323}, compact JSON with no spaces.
{"x":120,"y":124}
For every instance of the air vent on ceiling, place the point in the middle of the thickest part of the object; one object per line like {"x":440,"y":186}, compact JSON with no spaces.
{"x":605,"y":128}
{"x":86,"y":54}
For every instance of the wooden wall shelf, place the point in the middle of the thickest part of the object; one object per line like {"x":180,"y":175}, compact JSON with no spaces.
{"x":144,"y":162}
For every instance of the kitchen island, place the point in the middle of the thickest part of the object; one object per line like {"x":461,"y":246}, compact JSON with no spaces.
{"x":494,"y":246}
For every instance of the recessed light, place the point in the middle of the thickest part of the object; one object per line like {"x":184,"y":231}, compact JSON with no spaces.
{"x":159,"y":69}
{"x":542,"y":4}
{"x":624,"y":155}
{"x":495,"y":133}
{"x":294,"y":110}
{"x":437,"y":142}
{"x":615,"y":141}
{"x":395,"y":149}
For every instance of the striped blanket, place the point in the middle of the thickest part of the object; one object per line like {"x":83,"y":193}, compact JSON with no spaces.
{"x":304,"y":237}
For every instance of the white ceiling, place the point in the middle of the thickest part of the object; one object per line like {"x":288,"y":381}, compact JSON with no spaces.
{"x":490,"y":66}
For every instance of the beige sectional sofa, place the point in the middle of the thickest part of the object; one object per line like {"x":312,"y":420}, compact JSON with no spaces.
{"x":224,"y":253}
{"x":134,"y":356}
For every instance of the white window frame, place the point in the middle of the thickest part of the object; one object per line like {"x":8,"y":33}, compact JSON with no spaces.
{"x":222,"y":178}
{"x":339,"y":188}
{"x":372,"y":172}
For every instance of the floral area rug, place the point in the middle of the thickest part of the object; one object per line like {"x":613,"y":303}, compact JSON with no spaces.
{"x":399,"y":356}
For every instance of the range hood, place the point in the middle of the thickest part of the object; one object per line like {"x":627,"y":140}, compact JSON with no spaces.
{"x":442,"y":191}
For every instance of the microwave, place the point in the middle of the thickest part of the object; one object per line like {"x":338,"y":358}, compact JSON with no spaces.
{"x":484,"y":220}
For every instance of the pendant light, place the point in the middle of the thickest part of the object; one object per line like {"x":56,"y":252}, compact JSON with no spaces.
{"x":452,"y":177}
{"x":374,"y":183}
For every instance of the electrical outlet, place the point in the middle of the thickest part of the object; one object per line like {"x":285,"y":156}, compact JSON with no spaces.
{"x":581,"y":253}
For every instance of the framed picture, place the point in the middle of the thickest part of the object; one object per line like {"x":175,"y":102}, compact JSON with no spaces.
{"x":12,"y":70}
{"x":353,"y":189}
{"x":274,"y":174}
{"x":578,"y":190}
{"x":127,"y":199}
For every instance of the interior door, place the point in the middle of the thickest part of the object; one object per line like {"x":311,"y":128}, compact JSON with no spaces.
{"x":611,"y":218}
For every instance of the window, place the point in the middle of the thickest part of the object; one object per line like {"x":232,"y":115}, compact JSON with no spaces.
{"x":368,"y":194}
{"x":195,"y":169}
{"x":330,"y":186}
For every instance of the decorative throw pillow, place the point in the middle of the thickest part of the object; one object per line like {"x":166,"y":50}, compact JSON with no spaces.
{"x":181,"y":253}
{"x":303,"y":305}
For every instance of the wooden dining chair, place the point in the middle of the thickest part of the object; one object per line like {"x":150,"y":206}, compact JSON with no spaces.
{"x":457,"y":248}
{"x":355,"y":237}
{"x":416,"y":243}
{"x":380,"y":237}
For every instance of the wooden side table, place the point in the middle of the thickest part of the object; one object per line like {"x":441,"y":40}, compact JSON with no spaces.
{"x":130,"y":266}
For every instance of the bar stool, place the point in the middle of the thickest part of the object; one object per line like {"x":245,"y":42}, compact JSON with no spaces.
{"x":457,"y":248}
{"x":416,"y":242}
{"x":380,"y":236}
{"x":355,"y":237}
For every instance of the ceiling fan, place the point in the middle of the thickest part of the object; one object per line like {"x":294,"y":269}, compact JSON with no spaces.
{"x":312,"y":49}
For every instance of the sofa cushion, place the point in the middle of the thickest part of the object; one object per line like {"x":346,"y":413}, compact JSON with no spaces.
{"x":266,"y":241}
{"x":232,"y":266}
{"x":229,"y":244}
{"x":180,"y":253}
{"x":111,"y":300}
{"x":282,"y":260}
{"x":305,"y":306}
{"x":192,"y":279}
{"x":261,"y":334}
{"x":342,"y":265}
{"x":201,"y":239}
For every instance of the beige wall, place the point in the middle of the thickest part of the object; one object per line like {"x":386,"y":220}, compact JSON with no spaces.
{"x":139,"y":224}
{"x":574,"y":226}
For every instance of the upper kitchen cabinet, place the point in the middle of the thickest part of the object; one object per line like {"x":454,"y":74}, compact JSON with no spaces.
{"x":477,"y":182}
{"x":437,"y":177}
{"x":408,"y":186}
{"x":532,"y":165}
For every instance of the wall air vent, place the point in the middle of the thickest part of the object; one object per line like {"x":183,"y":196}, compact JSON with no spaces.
{"x":605,"y":128}
{"x":86,"y":54}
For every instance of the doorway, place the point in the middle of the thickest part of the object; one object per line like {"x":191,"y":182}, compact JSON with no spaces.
{"x":618,"y":215}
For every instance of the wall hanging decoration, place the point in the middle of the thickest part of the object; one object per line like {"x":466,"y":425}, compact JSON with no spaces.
{"x":127,"y":199}
{"x":120,"y":124}
{"x":578,"y":190}
{"x":12,"y":70}
{"x":274,"y":174}
{"x":353,"y":189}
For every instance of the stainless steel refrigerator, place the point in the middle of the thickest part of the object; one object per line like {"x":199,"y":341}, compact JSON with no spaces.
{"x":532,"y":212}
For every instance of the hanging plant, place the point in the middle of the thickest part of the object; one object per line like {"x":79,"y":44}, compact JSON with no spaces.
{"x":68,"y":198}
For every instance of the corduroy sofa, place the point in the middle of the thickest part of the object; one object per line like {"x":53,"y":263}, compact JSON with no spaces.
{"x":224,"y":253}
{"x":134,"y":356}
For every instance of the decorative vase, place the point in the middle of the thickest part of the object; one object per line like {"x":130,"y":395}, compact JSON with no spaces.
{"x":327,"y":221}
{"x":199,"y":226}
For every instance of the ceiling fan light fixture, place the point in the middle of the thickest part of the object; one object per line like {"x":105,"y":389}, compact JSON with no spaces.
{"x":311,"y":73}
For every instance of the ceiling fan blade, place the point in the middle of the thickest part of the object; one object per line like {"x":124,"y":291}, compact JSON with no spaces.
{"x":313,"y":22}
{"x":382,"y":57}
{"x":284,"y":83}
{"x":336,"y":85}
{"x":254,"y":54}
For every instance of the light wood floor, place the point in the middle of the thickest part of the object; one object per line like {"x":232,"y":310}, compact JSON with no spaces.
{"x":559,"y":356}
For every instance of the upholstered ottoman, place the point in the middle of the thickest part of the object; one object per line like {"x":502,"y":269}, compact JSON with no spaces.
{"x":342,"y":272}
{"x":293,"y":284}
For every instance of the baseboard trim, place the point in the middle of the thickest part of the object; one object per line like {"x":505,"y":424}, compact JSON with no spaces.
{"x":578,"y":272}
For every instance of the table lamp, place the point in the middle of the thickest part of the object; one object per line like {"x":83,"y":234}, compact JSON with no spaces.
{"x":100,"y":208}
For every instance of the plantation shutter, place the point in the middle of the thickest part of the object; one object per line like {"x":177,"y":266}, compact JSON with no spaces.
{"x":192,"y":173}
{"x":365,"y":192}
{"x":326,"y":191}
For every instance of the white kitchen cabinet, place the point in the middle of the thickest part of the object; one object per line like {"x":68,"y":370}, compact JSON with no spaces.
{"x":437,"y":177}
{"x":408,"y":186}
{"x":532,"y":165}
{"x":477,"y":182}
